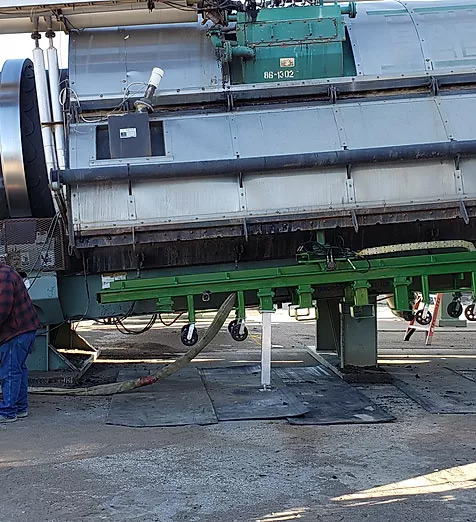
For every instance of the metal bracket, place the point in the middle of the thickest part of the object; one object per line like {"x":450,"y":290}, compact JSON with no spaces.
{"x":355,"y":223}
{"x":332,"y":93}
{"x":131,"y":207}
{"x":434,"y":86}
{"x":340,"y":127}
{"x":230,"y":102}
{"x":463,"y":212}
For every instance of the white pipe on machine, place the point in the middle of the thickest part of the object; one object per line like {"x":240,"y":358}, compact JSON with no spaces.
{"x":44,"y":105}
{"x":54,"y":77}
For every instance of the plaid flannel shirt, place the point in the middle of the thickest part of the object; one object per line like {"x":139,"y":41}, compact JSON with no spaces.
{"x":17,"y":313}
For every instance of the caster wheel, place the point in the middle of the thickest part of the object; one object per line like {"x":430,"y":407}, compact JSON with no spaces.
{"x":231,"y":325}
{"x":454,"y":309}
{"x":184,"y":336}
{"x":470,"y":312}
{"x":407,"y":315}
{"x":423,"y":320}
{"x":236,"y":335}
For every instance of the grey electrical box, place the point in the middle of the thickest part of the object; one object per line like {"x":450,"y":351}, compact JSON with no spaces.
{"x":129,"y":135}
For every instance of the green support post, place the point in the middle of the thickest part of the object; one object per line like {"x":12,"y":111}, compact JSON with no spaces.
{"x":400,"y":288}
{"x":241,"y":310}
{"x":266,"y":296}
{"x":304,"y":293}
{"x":361,"y":307}
{"x":473,"y":285}
{"x":425,"y":289}
{"x":190,"y":309}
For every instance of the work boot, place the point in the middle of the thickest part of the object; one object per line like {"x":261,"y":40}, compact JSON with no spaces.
{"x":4,"y":420}
{"x":22,"y":414}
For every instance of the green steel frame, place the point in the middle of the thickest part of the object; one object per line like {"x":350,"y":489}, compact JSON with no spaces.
{"x":357,"y":277}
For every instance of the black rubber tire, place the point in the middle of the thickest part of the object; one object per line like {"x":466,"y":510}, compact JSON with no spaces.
{"x":236,"y":335}
{"x":231,"y":325}
{"x":424,"y":321}
{"x":184,"y":336}
{"x":454,"y":309}
{"x":470,"y":312}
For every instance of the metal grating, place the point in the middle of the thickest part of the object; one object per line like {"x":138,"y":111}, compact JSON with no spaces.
{"x":32,"y":244}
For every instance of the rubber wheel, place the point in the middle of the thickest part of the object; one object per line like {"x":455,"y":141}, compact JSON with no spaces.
{"x":184,"y":336}
{"x":231,"y":325}
{"x":470,"y":312}
{"x":454,"y":309}
{"x":236,"y":335}
{"x":423,"y":320}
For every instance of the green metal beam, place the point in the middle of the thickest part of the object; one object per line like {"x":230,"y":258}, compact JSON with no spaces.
{"x":359,"y":273}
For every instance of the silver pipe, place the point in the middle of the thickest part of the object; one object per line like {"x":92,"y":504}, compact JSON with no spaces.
{"x":44,"y":107}
{"x":57,"y":111}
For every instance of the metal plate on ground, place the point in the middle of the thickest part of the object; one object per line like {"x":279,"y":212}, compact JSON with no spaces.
{"x":442,"y":391}
{"x":236,"y":395}
{"x":330,"y":399}
{"x":179,"y":400}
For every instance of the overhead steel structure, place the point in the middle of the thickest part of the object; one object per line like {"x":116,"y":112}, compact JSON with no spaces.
{"x":213,"y":141}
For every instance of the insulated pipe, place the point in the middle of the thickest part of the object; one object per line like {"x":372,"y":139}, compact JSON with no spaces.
{"x":44,"y":105}
{"x":54,"y":77}
{"x":236,"y":166}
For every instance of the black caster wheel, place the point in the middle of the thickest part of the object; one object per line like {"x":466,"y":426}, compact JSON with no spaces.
{"x":231,"y":325}
{"x":407,"y":315}
{"x":423,"y":320}
{"x":454,"y":309}
{"x":470,"y":312}
{"x":236,"y":335}
{"x":184,"y":336}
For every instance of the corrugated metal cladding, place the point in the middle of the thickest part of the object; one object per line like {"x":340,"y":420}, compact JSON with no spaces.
{"x":387,"y":37}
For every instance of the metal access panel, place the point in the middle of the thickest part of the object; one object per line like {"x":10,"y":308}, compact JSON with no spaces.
{"x":129,"y":135}
{"x":391,"y":37}
{"x":106,"y":63}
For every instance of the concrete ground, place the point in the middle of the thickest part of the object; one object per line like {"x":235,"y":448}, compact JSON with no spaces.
{"x":64,"y":463}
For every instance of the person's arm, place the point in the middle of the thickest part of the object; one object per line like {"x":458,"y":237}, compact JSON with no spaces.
{"x":6,"y":300}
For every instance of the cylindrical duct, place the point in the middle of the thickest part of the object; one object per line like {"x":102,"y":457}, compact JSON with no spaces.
{"x":44,"y":108}
{"x":53,"y":72}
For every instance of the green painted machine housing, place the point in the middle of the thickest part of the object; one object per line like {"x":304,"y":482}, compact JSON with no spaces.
{"x":291,"y":43}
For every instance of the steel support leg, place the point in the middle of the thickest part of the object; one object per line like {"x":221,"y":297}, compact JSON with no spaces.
{"x":328,"y":326}
{"x":266,"y":349}
{"x":358,"y":340}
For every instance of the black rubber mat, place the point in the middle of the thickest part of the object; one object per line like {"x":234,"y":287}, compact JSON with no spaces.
{"x":236,"y":395}
{"x":179,"y":400}
{"x":442,"y":391}
{"x":330,"y":399}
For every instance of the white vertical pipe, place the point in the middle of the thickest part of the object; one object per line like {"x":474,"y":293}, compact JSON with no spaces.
{"x":266,"y":349}
{"x":54,"y":77}
{"x":44,"y":107}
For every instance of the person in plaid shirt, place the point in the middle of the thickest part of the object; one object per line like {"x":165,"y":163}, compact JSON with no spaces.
{"x":18,"y":324}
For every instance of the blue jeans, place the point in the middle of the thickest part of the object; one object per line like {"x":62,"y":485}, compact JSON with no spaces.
{"x":14,"y":374}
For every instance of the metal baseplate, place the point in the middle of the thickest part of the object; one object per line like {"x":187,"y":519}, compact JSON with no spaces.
{"x":357,"y":277}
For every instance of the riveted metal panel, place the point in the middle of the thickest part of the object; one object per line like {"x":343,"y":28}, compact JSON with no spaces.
{"x":460,"y":111}
{"x":284,"y":193}
{"x":200,"y":137}
{"x":104,"y":62}
{"x":287,"y":131}
{"x":384,"y":39}
{"x":446,"y":32}
{"x":402,"y":122}
{"x":404,"y":183}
